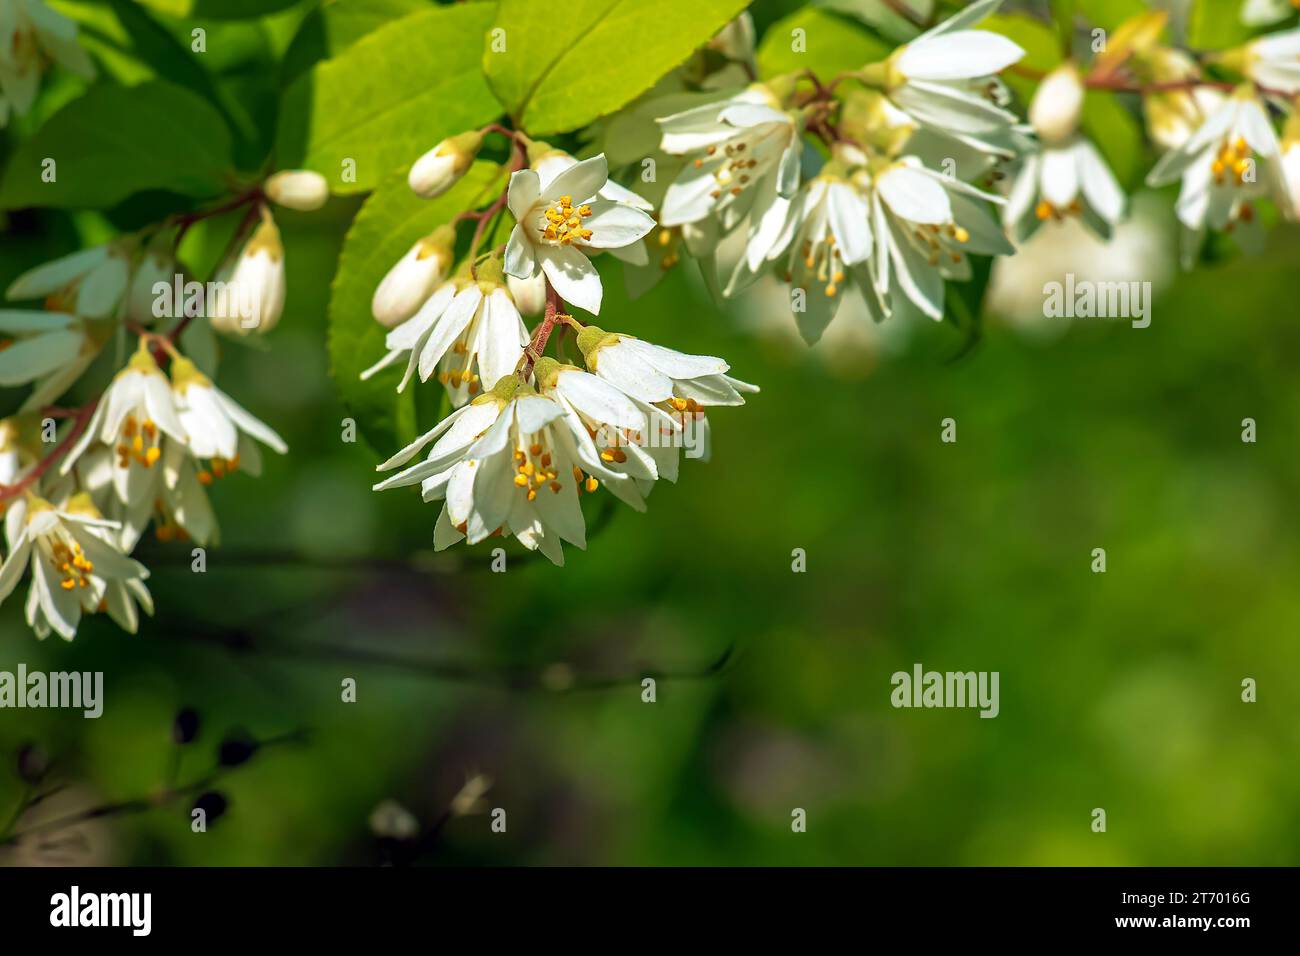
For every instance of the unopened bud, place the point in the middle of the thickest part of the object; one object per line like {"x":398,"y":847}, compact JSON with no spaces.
{"x":1057,"y":105}
{"x":412,"y":280}
{"x":250,"y":296}
{"x":299,"y":189}
{"x":529,"y":294}
{"x":438,"y":170}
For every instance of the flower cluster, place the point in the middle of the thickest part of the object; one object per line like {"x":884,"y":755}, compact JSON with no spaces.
{"x":77,"y":499}
{"x":885,"y":180}
{"x":531,"y":433}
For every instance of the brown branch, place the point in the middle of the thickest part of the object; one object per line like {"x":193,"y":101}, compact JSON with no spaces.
{"x":83,"y":414}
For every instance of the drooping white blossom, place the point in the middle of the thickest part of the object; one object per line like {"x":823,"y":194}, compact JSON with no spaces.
{"x":1066,"y":175}
{"x":742,"y":170}
{"x":925,"y":225}
{"x":74,"y":566}
{"x":469,"y":332}
{"x":505,"y":463}
{"x":1225,"y":166}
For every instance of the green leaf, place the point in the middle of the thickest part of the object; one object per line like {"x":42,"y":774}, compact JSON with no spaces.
{"x":337,"y":24}
{"x":219,"y":9}
{"x":569,"y":62}
{"x":830,"y":45}
{"x":1216,"y":25}
{"x":110,"y":144}
{"x":389,"y":223}
{"x":389,"y":98}
{"x":1109,"y":14}
{"x":1117,"y":134}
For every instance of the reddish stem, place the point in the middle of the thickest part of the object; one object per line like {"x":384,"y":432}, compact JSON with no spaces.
{"x":186,"y":219}
{"x":9,"y":492}
{"x":542,"y":334}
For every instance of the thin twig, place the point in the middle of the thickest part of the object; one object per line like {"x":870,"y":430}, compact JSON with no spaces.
{"x":83,"y":415}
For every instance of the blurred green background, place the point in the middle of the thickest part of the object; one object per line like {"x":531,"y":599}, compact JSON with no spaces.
{"x":1118,"y":690}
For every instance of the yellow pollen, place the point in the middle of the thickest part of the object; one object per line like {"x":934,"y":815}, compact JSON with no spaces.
{"x":564,"y":222}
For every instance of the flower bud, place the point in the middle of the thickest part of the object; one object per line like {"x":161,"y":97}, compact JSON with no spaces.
{"x":529,"y":294}
{"x":1057,"y":105}
{"x":412,"y":280}
{"x":156,"y":265}
{"x":299,"y":189}
{"x":438,"y":170}
{"x":249,"y":294}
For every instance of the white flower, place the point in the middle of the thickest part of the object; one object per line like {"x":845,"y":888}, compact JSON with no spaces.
{"x":943,"y":79}
{"x":551,"y":162}
{"x":617,"y":425}
{"x":925,"y":224}
{"x":251,"y":289}
{"x":89,"y":283}
{"x":744,"y":168}
{"x":831,"y":241}
{"x":30,"y":32}
{"x":508,"y":462}
{"x":1273,"y":61}
{"x":74,"y":568}
{"x":469,"y":331}
{"x":299,"y":189}
{"x":217,"y":427}
{"x":557,"y":224}
{"x":1232,"y":160}
{"x":654,"y":374}
{"x":672,"y":389}
{"x":409,"y":283}
{"x":49,"y":349}
{"x":1067,"y":176}
{"x":133,"y":418}
{"x":438,"y":170}
{"x":1067,"y":179}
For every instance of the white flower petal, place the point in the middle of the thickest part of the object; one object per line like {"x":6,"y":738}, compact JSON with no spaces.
{"x":958,"y":55}
{"x":614,"y":225}
{"x":914,"y":196}
{"x":573,"y":276}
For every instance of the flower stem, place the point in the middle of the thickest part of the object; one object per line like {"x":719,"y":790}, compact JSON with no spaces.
{"x":10,"y":492}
